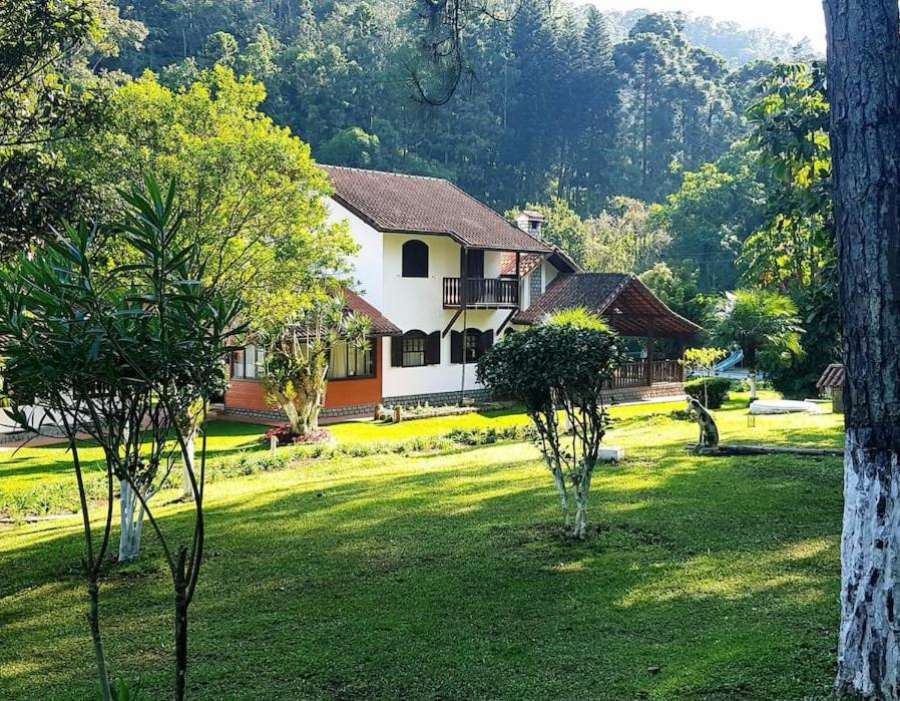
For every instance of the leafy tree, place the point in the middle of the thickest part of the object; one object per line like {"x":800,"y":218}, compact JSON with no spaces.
{"x":679,"y":290}
{"x":297,"y":351}
{"x":118,"y":354}
{"x":764,"y":325}
{"x":351,"y":147}
{"x":624,"y":238}
{"x":526,"y":366}
{"x":794,"y":249}
{"x":716,"y":208}
{"x":47,"y":94}
{"x":256,"y":199}
{"x":255,"y":196}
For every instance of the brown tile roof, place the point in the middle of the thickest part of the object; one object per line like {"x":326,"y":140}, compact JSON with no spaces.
{"x":527,"y":263}
{"x":832,"y":377}
{"x":381,"y":325}
{"x":623,"y":300}
{"x":391,"y":202}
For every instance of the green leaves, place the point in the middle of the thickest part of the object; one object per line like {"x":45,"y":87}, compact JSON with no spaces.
{"x":573,"y":355}
{"x":758,"y":321}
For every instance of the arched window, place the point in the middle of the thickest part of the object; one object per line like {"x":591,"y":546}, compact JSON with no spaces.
{"x":415,"y":259}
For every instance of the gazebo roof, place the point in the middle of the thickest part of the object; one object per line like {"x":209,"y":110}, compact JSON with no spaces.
{"x":832,"y":377}
{"x":626,"y":303}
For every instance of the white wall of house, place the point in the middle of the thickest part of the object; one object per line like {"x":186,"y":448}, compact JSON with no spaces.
{"x":36,"y":417}
{"x":417,"y":303}
{"x":368,"y":262}
{"x":550,"y":272}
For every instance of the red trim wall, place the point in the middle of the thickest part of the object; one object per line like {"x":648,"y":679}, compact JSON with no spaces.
{"x":249,"y":395}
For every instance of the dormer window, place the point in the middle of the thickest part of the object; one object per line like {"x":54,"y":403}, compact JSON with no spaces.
{"x":415,"y":259}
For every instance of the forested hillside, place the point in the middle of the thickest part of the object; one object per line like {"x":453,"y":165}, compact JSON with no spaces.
{"x":551,"y":105}
{"x":647,"y":151}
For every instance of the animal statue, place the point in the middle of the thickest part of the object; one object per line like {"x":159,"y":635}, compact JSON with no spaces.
{"x":709,"y":432}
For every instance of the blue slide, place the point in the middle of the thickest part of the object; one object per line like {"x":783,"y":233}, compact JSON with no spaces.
{"x":729,"y":362}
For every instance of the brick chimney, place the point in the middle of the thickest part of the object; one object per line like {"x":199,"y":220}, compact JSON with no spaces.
{"x":530,"y":221}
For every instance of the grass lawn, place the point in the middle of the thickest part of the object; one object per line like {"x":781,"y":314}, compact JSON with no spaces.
{"x":443,"y":577}
{"x":39,"y":479}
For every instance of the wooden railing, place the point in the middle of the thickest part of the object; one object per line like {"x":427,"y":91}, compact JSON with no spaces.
{"x":637,"y":374}
{"x":490,"y":293}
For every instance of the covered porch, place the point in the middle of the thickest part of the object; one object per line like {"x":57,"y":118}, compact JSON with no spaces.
{"x":656,"y":333}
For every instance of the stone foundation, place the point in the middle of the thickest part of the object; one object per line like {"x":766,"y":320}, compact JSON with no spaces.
{"x":332,"y":413}
{"x":638,"y":394}
{"x":615,"y":396}
{"x":437,"y":399}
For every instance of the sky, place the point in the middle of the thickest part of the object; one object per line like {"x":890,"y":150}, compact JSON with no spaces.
{"x":800,"y":18}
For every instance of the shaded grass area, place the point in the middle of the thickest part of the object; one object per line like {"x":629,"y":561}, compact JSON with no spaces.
{"x":444,"y":577}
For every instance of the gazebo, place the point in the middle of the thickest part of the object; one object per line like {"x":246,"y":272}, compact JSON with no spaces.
{"x":631,"y":309}
{"x":832,"y":382}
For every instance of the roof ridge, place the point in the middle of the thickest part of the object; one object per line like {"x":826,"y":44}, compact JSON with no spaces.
{"x":498,"y":215}
{"x":385,"y":172}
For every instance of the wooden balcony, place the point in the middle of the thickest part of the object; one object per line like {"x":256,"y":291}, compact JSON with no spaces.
{"x":642,"y":373}
{"x":481,"y":293}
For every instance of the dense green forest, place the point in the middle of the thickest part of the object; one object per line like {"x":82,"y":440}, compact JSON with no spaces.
{"x":692,"y":152}
{"x":556,"y":101}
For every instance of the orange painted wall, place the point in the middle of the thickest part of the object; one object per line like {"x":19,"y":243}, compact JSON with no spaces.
{"x":246,"y":394}
{"x":356,"y":392}
{"x":249,"y":394}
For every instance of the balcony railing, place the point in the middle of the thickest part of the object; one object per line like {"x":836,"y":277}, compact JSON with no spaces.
{"x":637,"y":374}
{"x":484,"y":293}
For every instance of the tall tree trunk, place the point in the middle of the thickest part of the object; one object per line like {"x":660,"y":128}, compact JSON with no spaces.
{"x":181,"y":626}
{"x":131,"y":515}
{"x":864,"y":91}
{"x":187,"y":493}
{"x":97,"y":639}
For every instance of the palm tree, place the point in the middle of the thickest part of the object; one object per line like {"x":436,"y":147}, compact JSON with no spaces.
{"x":760,"y":323}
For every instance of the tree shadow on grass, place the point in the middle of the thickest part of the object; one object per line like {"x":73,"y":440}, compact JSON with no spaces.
{"x":708,"y":579}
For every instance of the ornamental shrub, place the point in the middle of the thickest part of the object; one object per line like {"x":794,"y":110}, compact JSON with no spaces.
{"x":716,"y":393}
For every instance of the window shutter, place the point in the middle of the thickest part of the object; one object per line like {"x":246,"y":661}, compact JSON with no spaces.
{"x":456,"y":347}
{"x":396,"y":351}
{"x":433,"y":349}
{"x":485,"y":342}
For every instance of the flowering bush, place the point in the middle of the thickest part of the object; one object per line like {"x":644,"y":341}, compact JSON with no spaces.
{"x":286,"y":436}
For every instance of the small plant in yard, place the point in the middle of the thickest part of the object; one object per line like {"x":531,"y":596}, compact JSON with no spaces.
{"x":121,"y":354}
{"x":703,"y":360}
{"x":563,"y":363}
{"x":711,"y":391}
{"x":298,"y":348}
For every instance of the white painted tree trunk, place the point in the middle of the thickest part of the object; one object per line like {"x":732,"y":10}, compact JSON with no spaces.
{"x":582,"y":495}
{"x":132,"y":522}
{"x":187,"y":493}
{"x":752,"y":379}
{"x":560,"y":483}
{"x":869,"y":640}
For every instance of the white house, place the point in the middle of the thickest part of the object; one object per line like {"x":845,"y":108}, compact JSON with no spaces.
{"x":441,"y":276}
